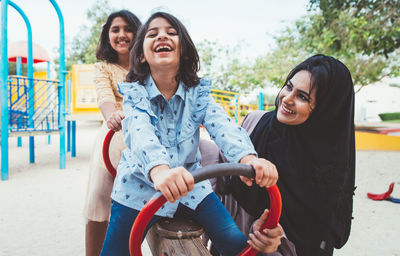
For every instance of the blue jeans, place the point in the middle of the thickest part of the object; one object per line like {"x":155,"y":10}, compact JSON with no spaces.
{"x":210,"y":214}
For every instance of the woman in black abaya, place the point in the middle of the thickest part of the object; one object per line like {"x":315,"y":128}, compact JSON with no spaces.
{"x":310,"y":139}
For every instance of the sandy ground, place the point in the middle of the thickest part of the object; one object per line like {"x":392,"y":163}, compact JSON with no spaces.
{"x":41,"y":205}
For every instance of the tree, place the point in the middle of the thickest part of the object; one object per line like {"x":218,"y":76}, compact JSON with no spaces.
{"x":220,"y":62}
{"x":374,"y":24}
{"x":12,"y":69}
{"x":343,"y":30}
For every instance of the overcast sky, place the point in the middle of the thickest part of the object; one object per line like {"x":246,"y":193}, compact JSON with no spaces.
{"x":227,"y":21}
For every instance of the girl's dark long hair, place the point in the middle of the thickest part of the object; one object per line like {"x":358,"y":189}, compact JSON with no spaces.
{"x":104,"y":51}
{"x":189,"y":58}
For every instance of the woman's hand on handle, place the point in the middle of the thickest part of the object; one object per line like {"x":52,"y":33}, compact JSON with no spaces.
{"x":172,"y":183}
{"x":114,"y":120}
{"x":270,"y":240}
{"x":266,"y":173}
{"x":112,"y":115}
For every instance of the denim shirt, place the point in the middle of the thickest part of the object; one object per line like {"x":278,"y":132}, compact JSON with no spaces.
{"x":157,"y":131}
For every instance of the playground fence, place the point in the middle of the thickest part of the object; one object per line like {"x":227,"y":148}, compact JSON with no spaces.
{"x":43,"y":115}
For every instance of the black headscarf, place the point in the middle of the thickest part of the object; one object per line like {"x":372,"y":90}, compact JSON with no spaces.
{"x":315,"y":162}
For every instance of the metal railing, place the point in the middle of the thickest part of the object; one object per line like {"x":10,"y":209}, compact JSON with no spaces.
{"x":43,"y":115}
{"x":231,"y":102}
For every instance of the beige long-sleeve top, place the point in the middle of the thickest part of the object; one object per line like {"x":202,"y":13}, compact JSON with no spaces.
{"x":106,"y":79}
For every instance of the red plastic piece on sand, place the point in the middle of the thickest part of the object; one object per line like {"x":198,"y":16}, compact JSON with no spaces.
{"x":383,"y":196}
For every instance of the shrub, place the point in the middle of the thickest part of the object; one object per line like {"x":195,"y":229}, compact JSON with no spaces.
{"x":389,"y":116}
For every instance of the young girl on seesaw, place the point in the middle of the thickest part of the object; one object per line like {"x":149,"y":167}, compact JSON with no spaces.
{"x":164,"y":103}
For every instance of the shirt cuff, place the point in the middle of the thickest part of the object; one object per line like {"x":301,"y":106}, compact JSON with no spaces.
{"x":243,"y":154}
{"x":151,"y":165}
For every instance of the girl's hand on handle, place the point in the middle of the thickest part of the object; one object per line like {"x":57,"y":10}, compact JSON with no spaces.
{"x":172,"y":183}
{"x":266,"y":173}
{"x":270,"y":240}
{"x":114,"y":120}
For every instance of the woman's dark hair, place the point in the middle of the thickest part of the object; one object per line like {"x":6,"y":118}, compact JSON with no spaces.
{"x":189,"y":58}
{"x":319,"y":67}
{"x":104,"y":51}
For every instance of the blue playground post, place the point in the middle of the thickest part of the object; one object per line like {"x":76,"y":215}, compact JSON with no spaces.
{"x":4,"y":91}
{"x":19,"y":73}
{"x":68,"y":136}
{"x":260,"y":101}
{"x":31,"y":92}
{"x":19,"y":66}
{"x":236,"y":108}
{"x":48,"y":78}
{"x":61,"y":95}
{"x":31,"y":100}
{"x":73,"y":150}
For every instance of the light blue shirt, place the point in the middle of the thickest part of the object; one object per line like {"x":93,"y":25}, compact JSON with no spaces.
{"x":157,"y":131}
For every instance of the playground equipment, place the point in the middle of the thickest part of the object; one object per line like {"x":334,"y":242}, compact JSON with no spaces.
{"x":163,"y":235}
{"x":18,"y":89}
{"x":81,"y":101}
{"x":231,"y":102}
{"x":372,"y":140}
{"x":27,"y":86}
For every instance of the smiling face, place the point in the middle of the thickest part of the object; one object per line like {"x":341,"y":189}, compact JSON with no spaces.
{"x":161,"y":45}
{"x":295,"y":100}
{"x":120,"y":36}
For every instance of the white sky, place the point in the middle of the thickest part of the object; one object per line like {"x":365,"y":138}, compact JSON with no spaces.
{"x":227,"y":21}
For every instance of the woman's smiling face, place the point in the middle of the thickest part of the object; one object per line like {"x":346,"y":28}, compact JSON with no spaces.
{"x":295,"y":100}
{"x":120,"y":36}
{"x":161,"y":45}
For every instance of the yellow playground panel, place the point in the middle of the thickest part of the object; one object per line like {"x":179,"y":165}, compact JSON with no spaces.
{"x":83,"y":100}
{"x":18,"y":88}
{"x":42,"y":92}
{"x":375,"y":141}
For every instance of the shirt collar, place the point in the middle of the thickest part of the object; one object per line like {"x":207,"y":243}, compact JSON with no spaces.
{"x":153,"y":91}
{"x":181,"y":90}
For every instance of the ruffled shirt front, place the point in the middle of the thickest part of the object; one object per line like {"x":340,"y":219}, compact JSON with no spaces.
{"x":157,"y":131}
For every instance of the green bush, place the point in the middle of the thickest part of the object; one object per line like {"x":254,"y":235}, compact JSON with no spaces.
{"x":270,"y":108}
{"x":389,"y":116}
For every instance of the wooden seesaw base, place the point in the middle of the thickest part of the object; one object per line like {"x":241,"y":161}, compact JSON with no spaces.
{"x":176,"y":237}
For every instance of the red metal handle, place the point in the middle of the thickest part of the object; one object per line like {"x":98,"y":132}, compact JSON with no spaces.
{"x":152,"y":206}
{"x":273,"y":216}
{"x":106,"y":153}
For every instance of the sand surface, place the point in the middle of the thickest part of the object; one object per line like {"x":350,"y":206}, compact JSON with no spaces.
{"x":41,"y":205}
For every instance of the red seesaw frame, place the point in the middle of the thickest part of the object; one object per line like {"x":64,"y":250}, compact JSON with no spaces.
{"x":106,"y":154}
{"x":211,"y":171}
{"x":151,"y":207}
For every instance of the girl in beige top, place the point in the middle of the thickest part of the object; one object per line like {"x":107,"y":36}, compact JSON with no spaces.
{"x":115,"y":42}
